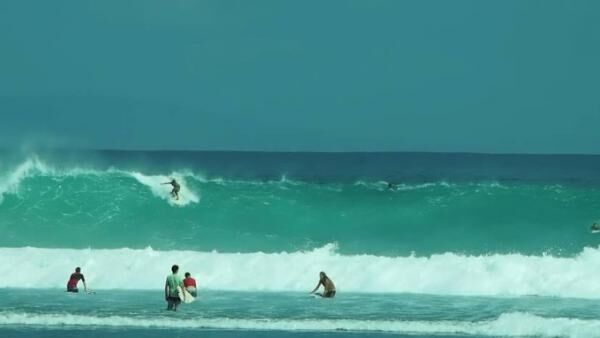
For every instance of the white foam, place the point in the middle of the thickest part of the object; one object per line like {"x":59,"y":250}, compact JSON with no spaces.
{"x":507,"y":325}
{"x":445,"y":274}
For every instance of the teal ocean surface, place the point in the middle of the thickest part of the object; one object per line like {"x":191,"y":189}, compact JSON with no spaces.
{"x":418,"y":244}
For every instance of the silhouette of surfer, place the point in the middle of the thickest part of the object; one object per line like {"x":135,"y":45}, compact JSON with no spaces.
{"x":176,"y":187}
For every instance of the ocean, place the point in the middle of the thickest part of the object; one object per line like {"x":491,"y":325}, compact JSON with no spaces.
{"x":418,"y":244}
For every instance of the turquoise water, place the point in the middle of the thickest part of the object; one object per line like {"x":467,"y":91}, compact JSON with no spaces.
{"x":233,"y":215}
{"x":463,"y":244}
{"x":288,"y":313}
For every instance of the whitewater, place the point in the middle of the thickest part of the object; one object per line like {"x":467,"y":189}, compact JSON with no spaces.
{"x":417,"y":244}
{"x":444,"y":274}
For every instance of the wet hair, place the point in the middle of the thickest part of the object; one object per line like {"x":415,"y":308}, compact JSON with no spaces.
{"x":77,"y":269}
{"x":175,"y":268}
{"x":187,"y":274}
{"x":323,"y":274}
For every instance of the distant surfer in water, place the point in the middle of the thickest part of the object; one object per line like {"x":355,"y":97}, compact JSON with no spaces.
{"x":176,"y":187}
{"x":328,"y":286}
{"x":74,"y":280}
{"x":595,"y":227}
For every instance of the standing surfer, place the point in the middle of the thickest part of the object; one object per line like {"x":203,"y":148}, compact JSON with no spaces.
{"x":172,"y":285}
{"x":74,"y":280}
{"x":176,"y":187}
{"x":190,"y":284}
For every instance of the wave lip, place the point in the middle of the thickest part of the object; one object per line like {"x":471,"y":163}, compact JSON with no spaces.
{"x":445,"y":274}
{"x":33,"y":166}
{"x":515,"y":324}
{"x":10,"y":182}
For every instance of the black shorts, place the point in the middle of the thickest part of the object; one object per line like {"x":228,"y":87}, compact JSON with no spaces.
{"x":173,"y":300}
{"x":72,"y":290}
{"x":329,"y":294}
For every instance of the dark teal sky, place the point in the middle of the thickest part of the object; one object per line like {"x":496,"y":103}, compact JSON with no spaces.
{"x":483,"y":76}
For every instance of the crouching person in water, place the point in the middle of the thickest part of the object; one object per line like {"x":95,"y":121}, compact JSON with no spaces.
{"x":190,"y":284}
{"x":328,"y":286}
{"x":171,"y":292}
{"x":74,"y":280}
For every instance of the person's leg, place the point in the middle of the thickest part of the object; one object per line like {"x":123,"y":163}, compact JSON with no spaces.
{"x":176,"y":304}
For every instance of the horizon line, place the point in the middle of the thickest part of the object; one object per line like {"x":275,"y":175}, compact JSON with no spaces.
{"x":150,"y":150}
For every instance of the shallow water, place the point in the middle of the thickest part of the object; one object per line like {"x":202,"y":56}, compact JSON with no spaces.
{"x":49,"y":312}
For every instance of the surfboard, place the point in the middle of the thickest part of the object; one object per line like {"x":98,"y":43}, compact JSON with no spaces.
{"x":185,"y":296}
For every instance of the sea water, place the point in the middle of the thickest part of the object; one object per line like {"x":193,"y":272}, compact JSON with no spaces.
{"x":417,"y":244}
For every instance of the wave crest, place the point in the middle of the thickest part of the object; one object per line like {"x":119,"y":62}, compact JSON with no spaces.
{"x":514,"y":324}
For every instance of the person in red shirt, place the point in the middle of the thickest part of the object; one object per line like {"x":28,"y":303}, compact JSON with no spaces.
{"x":190,"y":284}
{"x":74,"y":280}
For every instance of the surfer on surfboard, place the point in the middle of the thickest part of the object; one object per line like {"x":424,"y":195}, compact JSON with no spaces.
{"x":176,"y":187}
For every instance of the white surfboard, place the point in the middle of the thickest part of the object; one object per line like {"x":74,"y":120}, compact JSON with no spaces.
{"x":185,"y":296}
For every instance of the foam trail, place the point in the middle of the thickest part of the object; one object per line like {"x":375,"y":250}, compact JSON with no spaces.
{"x":446,"y":274}
{"x":507,"y":325}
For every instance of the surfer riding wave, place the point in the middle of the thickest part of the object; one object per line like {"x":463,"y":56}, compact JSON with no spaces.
{"x":176,"y":187}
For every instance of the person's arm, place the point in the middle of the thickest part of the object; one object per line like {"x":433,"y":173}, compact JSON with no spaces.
{"x":167,"y":289}
{"x":316,"y":287}
{"x":84,"y":285}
